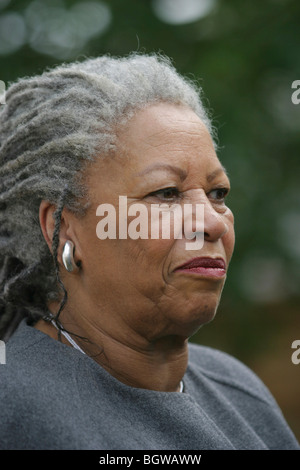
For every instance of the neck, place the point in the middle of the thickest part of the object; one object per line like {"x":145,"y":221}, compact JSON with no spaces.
{"x":158,"y":364}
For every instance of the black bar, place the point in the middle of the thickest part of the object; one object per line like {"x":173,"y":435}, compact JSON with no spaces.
{"x":148,"y":458}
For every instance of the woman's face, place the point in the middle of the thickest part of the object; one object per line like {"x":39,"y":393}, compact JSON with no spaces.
{"x":165,"y":155}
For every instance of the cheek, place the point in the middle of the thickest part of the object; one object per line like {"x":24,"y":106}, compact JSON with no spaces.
{"x":148,"y":239}
{"x":139,"y":259}
{"x":143,"y":266}
{"x":147,"y":256}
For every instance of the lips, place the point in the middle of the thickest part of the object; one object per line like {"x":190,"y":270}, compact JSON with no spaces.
{"x":205,"y":266}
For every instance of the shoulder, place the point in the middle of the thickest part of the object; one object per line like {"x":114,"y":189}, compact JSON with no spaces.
{"x":32,"y":357}
{"x":232,"y":393}
{"x":227,"y":372}
{"x":36,"y":385}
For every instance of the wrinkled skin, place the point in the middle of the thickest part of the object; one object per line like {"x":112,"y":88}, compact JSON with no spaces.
{"x":128,"y":299}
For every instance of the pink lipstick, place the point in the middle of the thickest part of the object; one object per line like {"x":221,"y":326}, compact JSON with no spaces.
{"x":207,"y":267}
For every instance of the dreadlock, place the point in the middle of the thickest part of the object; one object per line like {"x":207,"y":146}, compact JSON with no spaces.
{"x":51,"y":127}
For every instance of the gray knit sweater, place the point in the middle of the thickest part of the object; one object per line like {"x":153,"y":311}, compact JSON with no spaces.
{"x":54,"y":397}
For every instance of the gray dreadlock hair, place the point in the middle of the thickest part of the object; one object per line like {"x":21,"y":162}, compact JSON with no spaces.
{"x":51,"y":126}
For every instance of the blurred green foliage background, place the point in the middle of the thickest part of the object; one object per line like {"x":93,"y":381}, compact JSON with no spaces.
{"x":246,"y":56}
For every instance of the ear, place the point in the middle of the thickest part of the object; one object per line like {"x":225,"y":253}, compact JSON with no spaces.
{"x":47,"y":223}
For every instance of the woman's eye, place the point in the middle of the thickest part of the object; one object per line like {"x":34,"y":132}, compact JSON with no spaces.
{"x":219,"y":194}
{"x":168,"y":194}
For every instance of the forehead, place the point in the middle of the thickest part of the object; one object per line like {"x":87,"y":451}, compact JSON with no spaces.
{"x":158,"y":141}
{"x":166,"y":132}
{"x":158,"y":122}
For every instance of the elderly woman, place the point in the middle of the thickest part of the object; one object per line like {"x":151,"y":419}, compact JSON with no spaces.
{"x":96,"y":320}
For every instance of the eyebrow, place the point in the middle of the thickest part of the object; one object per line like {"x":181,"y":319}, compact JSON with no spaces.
{"x":215,"y":173}
{"x":181,"y":173}
{"x":165,"y":166}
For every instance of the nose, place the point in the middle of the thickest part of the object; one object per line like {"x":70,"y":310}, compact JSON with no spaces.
{"x":213,"y":224}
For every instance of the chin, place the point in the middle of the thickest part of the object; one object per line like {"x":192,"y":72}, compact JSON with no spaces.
{"x":188,"y":324}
